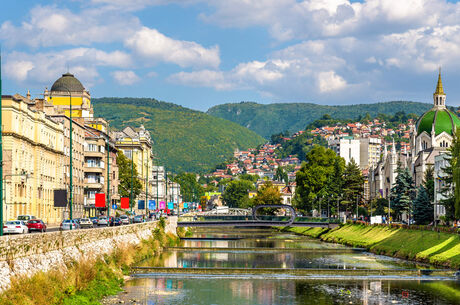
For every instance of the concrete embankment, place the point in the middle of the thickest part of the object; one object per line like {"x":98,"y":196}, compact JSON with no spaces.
{"x":25,"y":255}
{"x":442,"y":249}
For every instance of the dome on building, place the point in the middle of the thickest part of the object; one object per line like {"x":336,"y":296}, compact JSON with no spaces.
{"x":441,"y":120}
{"x":67,"y":82}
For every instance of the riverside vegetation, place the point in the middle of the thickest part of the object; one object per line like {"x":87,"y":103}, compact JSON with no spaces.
{"x":87,"y":281}
{"x":437,"y":248}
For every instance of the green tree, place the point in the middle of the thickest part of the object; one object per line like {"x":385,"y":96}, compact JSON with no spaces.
{"x":248,"y":177}
{"x":379,"y":205}
{"x":236,"y":193}
{"x":124,"y":173}
{"x":190,"y":189}
{"x":267,"y":194}
{"x":353,"y":184}
{"x":314,"y":175}
{"x":281,"y":175}
{"x":451,"y":180}
{"x":423,"y":207}
{"x":402,"y":192}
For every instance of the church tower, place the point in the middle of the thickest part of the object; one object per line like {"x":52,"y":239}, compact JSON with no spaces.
{"x":439,"y":97}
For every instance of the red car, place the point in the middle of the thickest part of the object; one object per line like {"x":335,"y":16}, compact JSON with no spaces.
{"x":36,"y":225}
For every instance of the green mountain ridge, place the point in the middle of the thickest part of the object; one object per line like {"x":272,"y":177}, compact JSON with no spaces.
{"x":184,"y":139}
{"x":269,"y":119}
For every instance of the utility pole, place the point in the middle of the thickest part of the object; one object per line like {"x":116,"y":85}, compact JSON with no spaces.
{"x":357,"y":213}
{"x":132,"y":175}
{"x":147,"y":189}
{"x":108,"y":173}
{"x":1,"y":151}
{"x":338,"y":209}
{"x":158,"y":203}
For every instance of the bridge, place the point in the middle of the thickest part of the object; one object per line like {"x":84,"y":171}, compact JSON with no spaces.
{"x":249,"y":218}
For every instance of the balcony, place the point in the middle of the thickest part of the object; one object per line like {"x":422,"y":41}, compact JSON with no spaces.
{"x":93,"y":169}
{"x":94,"y":154}
{"x":94,"y":184}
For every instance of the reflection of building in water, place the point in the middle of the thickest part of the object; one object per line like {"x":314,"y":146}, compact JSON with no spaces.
{"x":242,"y":289}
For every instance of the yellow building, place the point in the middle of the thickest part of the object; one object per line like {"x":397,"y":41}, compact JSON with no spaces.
{"x":33,"y":156}
{"x":136,"y":145}
{"x":66,"y":89}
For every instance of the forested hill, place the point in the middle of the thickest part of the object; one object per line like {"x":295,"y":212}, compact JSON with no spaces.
{"x":184,"y":139}
{"x":269,"y":119}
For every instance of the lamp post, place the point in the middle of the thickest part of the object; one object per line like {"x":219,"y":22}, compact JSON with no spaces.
{"x":70,"y":157}
{"x":1,"y":151}
{"x":132,"y":175}
{"x":108,"y":172}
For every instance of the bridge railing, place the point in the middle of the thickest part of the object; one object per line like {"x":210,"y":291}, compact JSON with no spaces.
{"x":260,"y":218}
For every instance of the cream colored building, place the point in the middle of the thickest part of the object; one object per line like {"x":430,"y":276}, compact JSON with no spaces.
{"x":136,"y":145}
{"x":34,"y":160}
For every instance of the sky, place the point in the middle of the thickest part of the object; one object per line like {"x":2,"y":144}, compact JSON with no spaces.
{"x":200,"y":53}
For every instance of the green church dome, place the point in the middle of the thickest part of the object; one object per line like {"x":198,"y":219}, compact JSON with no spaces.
{"x":443,"y":120}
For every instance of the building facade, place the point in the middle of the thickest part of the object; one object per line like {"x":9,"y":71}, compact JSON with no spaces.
{"x":34,"y":161}
{"x":347,"y":148}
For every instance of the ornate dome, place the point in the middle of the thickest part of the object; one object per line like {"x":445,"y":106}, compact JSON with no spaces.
{"x":67,"y":82}
{"x":441,"y":120}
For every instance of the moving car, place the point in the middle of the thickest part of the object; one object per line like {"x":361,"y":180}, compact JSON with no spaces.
{"x":117,"y":221}
{"x":94,"y":220}
{"x":124,"y":219}
{"x":85,"y":223}
{"x":102,"y":221}
{"x":69,"y":225}
{"x":36,"y":225}
{"x":15,"y":226}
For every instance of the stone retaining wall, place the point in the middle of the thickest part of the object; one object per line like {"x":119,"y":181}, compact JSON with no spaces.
{"x":30,"y":253}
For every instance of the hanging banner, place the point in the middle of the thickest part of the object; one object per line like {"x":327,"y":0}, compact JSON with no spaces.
{"x":185,"y":205}
{"x":141,"y":204}
{"x":170,"y":205}
{"x":60,"y":198}
{"x":152,"y":205}
{"x":100,"y":200}
{"x":124,"y":203}
{"x":162,"y":205}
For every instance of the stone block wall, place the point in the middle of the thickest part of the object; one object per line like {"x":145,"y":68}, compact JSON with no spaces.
{"x":30,"y":253}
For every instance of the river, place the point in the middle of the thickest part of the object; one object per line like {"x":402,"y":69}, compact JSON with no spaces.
{"x":333,"y":273}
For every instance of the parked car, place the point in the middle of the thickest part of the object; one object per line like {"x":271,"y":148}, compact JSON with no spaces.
{"x":36,"y":225}
{"x":26,"y":217}
{"x":15,"y":226}
{"x":94,"y":220}
{"x":117,"y":221}
{"x":138,"y":219}
{"x":69,"y":225}
{"x":124,"y":219}
{"x":85,"y":223}
{"x":102,"y":221}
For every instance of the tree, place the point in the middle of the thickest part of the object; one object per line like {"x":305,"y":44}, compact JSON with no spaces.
{"x":281,"y":175}
{"x":249,"y":177}
{"x":423,"y":207}
{"x":402,"y":192}
{"x":190,"y":189}
{"x":380,"y":205}
{"x":353,"y":183}
{"x":236,"y":193}
{"x":267,"y":194}
{"x":314,"y":176}
{"x":124,"y":174}
{"x":451,"y":180}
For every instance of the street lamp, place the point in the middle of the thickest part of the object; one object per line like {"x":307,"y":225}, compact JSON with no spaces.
{"x":108,"y":172}
{"x":132,"y":175}
{"x":71,"y":148}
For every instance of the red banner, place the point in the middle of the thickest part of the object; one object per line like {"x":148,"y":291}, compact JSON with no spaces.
{"x":124,"y":204}
{"x":100,"y":200}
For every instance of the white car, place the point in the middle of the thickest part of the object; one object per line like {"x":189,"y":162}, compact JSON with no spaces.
{"x":85,"y":223}
{"x":124,"y":219}
{"x":15,"y":226}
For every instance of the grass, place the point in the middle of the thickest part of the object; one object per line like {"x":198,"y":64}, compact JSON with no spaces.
{"x":442,"y":249}
{"x":87,"y":281}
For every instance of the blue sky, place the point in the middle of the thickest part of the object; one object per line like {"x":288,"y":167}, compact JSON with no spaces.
{"x":199,"y":53}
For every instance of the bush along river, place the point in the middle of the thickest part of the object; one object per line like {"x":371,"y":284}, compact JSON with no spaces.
{"x":264,"y":266}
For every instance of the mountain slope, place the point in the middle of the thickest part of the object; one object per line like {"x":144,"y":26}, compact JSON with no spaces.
{"x":184,"y":139}
{"x":269,"y":119}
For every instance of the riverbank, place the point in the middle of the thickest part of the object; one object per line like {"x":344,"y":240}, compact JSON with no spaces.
{"x":88,"y":280}
{"x":441,"y":249}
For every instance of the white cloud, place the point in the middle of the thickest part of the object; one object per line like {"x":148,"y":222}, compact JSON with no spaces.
{"x":329,"y":81}
{"x":43,"y":67}
{"x":203,"y":78}
{"x":153,"y":45}
{"x":125,"y":77}
{"x":52,"y":26}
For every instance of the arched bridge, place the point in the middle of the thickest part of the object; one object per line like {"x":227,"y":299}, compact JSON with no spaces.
{"x":252,"y":219}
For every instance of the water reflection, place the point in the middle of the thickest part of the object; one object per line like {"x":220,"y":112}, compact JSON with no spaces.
{"x":164,"y":290}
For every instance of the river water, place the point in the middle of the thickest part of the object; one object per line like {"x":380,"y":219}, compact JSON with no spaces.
{"x":252,"y":249}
